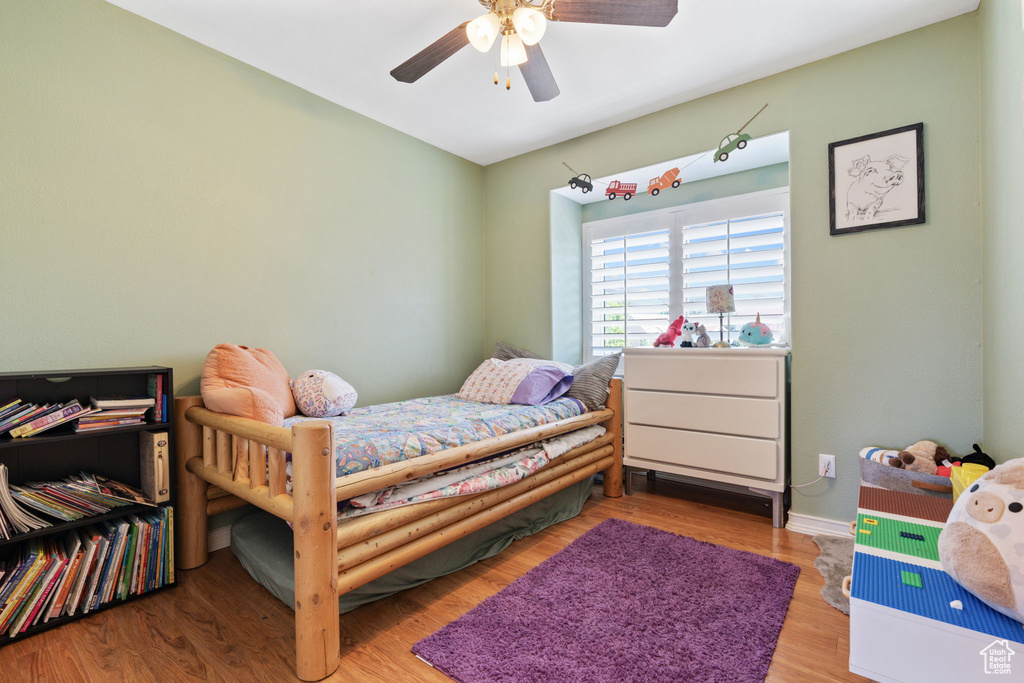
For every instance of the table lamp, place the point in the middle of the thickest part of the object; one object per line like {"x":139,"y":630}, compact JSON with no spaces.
{"x":720,"y":300}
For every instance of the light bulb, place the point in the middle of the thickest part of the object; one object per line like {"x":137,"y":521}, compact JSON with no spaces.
{"x":530,"y":24}
{"x":483,"y":30}
{"x":513,"y":52}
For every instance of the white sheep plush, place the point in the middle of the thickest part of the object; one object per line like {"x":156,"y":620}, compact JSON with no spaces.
{"x":982,"y":546}
{"x":319,"y":393}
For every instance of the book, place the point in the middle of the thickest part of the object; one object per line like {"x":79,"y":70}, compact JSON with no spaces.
{"x":107,"y":402}
{"x":124,"y":585}
{"x":16,"y":412}
{"x":61,"y":413}
{"x":153,"y":465}
{"x":113,"y":413}
{"x":155,"y":389}
{"x":30,"y":411}
{"x":54,"y":577}
{"x":107,"y":424}
{"x":170,"y":543}
{"x":9,"y":408}
{"x":73,"y":549}
{"x":90,"y":543}
{"x":35,"y":560}
{"x":21,"y":519}
{"x":32,"y":595}
{"x":113,"y":576}
{"x":102,"y":551}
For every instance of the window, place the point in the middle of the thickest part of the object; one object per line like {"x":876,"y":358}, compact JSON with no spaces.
{"x":644,"y":270}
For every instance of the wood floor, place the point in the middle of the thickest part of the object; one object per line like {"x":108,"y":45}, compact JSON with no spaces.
{"x":190,"y":634}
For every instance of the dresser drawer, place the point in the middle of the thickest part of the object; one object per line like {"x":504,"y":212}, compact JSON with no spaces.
{"x":713,"y":452}
{"x":734,"y":376}
{"x":726,"y":414}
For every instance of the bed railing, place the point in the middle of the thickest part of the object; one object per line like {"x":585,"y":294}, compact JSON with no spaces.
{"x":245,"y":462}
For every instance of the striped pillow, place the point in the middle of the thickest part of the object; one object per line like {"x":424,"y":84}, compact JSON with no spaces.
{"x":591,"y":379}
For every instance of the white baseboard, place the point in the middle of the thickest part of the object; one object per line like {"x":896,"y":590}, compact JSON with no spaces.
{"x":806,"y":524}
{"x":219,"y":538}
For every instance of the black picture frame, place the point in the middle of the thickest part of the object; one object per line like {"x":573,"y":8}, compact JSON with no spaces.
{"x":864,"y":203}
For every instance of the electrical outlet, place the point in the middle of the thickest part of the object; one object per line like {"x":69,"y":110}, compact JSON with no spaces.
{"x":827,"y":465}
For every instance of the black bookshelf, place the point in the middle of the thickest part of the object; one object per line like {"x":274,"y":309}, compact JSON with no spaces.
{"x":59,"y":452}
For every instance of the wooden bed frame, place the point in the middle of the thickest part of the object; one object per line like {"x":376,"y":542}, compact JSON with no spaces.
{"x":224,"y":462}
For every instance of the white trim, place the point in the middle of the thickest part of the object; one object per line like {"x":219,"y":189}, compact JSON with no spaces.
{"x":219,"y":538}
{"x":806,"y":524}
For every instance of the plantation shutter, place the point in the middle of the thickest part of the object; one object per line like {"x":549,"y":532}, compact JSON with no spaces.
{"x":645,"y":270}
{"x":629,"y":290}
{"x":747,"y":252}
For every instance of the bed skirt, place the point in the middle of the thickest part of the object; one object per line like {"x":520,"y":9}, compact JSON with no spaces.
{"x":263,"y":544}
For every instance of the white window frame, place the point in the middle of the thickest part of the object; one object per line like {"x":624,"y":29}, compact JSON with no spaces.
{"x":673,"y":218}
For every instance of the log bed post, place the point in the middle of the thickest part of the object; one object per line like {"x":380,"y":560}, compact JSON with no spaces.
{"x":191,"y":523}
{"x":613,"y":475}
{"x":317,"y":639}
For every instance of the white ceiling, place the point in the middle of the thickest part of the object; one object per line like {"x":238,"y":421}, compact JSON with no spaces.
{"x":343,"y":51}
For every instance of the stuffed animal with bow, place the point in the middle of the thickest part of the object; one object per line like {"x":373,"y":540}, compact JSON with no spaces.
{"x":689,"y":329}
{"x":668,"y":338}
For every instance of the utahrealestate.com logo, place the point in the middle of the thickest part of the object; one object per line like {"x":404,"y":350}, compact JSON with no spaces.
{"x":997,"y":657}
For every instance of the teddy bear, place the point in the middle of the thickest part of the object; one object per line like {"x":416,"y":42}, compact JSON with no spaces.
{"x":982,"y":544}
{"x":923,"y":456}
{"x":319,"y":393}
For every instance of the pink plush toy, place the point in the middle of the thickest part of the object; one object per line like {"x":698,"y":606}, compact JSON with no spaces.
{"x":675,"y":328}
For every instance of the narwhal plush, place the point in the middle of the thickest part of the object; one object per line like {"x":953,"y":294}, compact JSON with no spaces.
{"x":982,"y":546}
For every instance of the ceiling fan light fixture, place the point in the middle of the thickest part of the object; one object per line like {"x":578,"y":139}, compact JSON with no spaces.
{"x":513,"y":52}
{"x":530,"y":24}
{"x":483,"y":31}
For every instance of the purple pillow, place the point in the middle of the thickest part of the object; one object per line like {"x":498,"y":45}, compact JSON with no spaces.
{"x":543,"y":385}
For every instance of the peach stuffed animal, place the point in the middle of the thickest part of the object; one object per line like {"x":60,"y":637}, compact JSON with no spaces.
{"x":246,"y":382}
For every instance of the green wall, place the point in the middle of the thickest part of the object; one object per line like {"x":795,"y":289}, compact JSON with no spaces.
{"x":158,"y":198}
{"x":1002,"y":143}
{"x":886,"y":324}
{"x":566,"y":279}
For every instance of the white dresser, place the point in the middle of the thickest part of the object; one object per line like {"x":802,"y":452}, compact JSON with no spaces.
{"x":718,"y":415}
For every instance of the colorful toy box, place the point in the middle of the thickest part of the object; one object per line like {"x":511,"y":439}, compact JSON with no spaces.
{"x":900,"y":594}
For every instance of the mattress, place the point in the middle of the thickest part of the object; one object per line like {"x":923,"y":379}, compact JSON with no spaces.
{"x":388,"y":433}
{"x":263,"y":544}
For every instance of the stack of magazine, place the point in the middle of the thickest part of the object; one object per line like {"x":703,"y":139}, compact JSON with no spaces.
{"x":78,"y":496}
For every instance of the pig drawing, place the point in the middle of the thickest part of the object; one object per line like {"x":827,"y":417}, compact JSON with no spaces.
{"x":872,"y":181}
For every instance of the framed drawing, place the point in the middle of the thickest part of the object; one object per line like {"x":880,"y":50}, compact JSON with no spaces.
{"x":876,"y":181}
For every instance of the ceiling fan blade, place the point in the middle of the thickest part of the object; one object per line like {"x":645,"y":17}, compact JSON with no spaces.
{"x":423,"y":61}
{"x":537,"y":74}
{"x":624,"y":12}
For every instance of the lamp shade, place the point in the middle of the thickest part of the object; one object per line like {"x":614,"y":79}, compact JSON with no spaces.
{"x":720,"y":299}
{"x":513,"y":52}
{"x":529,"y":24}
{"x":483,"y":30}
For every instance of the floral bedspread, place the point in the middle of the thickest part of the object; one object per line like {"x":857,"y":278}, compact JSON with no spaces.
{"x":391,"y":432}
{"x":477,"y":477}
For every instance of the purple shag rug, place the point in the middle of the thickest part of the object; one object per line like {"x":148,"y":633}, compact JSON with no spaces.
{"x":621,"y":603}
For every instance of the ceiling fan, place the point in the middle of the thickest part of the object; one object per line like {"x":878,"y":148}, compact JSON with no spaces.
{"x":521,"y":24}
